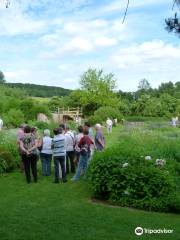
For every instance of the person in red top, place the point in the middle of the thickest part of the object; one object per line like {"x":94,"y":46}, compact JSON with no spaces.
{"x":84,"y":146}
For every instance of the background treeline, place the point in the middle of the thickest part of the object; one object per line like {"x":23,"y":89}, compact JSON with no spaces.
{"x":99,"y":98}
{"x":40,"y":90}
{"x":146,"y":101}
{"x":97,"y":95}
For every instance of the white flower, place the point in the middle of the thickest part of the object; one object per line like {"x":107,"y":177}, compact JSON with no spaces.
{"x":125,"y":165}
{"x":126,"y":192}
{"x":160,"y":162}
{"x":148,"y":158}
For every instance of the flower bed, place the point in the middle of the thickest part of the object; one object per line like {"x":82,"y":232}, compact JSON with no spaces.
{"x":142,"y":171}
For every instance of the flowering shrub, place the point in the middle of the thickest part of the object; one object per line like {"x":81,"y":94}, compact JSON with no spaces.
{"x":123,"y":176}
{"x":125,"y":165}
{"x":160,"y":162}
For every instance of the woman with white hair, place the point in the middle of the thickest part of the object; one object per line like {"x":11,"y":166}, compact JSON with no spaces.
{"x":46,"y":153}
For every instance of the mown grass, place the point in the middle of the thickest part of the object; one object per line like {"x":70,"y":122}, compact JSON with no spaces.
{"x":65,"y":211}
{"x":48,"y":211}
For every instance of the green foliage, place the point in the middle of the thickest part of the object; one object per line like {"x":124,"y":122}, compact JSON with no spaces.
{"x":141,"y":183}
{"x":72,"y":125}
{"x":97,"y":90}
{"x":103,"y":113}
{"x":30,"y":108}
{"x":94,"y":119}
{"x":9,"y":157}
{"x":55,"y":103}
{"x":26,"y":106}
{"x":165,"y":105}
{"x":40,"y":108}
{"x":7,"y":162}
{"x":16,"y":107}
{"x":146,"y":101}
{"x":94,"y":79}
{"x":40,"y":90}
{"x":14,"y":118}
{"x":40,"y":125}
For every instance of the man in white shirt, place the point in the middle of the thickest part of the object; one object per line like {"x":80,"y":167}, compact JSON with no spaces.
{"x":109,"y":125}
{"x":1,"y":124}
{"x":70,"y":153}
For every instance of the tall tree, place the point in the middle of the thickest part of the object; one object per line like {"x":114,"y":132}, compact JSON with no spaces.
{"x":94,"y":80}
{"x":97,"y":90}
{"x":144,"y":85}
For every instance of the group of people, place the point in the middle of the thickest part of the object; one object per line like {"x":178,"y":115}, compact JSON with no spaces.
{"x":71,"y":151}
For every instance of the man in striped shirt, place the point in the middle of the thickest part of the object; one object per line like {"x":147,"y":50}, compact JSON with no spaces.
{"x":59,"y":153}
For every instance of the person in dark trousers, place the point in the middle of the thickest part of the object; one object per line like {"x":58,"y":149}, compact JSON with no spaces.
{"x":77,"y":140}
{"x":70,"y":152}
{"x":59,"y":153}
{"x":28,"y":146}
{"x":99,"y":138}
{"x":46,"y":153}
{"x":84,"y":146}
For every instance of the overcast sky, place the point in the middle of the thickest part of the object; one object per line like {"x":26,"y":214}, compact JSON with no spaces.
{"x":52,"y":42}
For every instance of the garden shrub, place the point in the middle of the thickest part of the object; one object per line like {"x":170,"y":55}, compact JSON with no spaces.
{"x":122,"y":176}
{"x":95,"y":119}
{"x":41,"y":125}
{"x":9,"y":156}
{"x":7,"y":161}
{"x":13,"y":118}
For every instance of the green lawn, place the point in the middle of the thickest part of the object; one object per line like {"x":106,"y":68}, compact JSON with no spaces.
{"x":65,"y":211}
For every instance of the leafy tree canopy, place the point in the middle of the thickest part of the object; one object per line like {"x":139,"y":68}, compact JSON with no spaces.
{"x":97,"y":89}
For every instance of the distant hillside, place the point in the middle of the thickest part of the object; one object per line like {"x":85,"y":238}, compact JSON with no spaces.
{"x":40,"y":90}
